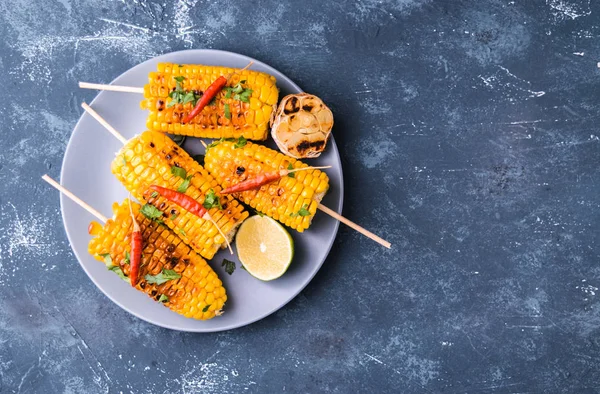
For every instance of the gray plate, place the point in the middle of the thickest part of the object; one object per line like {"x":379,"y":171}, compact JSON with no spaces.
{"x":86,"y":172}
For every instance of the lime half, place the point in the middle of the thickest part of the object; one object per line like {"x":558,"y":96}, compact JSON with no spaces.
{"x":264,"y":247}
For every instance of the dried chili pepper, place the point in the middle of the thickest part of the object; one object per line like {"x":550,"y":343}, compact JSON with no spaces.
{"x":135,"y":256}
{"x":263,"y":179}
{"x":190,"y":205}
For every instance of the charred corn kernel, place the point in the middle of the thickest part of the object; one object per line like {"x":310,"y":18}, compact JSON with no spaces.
{"x":211,"y":122}
{"x":188,"y":294}
{"x":137,"y":175}
{"x":282,"y":199}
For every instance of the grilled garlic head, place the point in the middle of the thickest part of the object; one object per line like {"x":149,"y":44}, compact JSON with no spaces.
{"x":301,"y":125}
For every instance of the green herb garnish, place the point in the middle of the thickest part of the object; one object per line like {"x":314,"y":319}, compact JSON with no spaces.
{"x":178,"y":171}
{"x":211,"y":200}
{"x":213,"y":102}
{"x":239,"y":93}
{"x":241,"y":142}
{"x":173,"y":216}
{"x":162,"y":277}
{"x":127,"y":258}
{"x":301,"y":212}
{"x":107,"y":259}
{"x":291,"y":174}
{"x":151,"y":212}
{"x":184,"y":185}
{"x":180,"y":96}
{"x":205,"y":308}
{"x":154,"y":194}
{"x":117,"y":270}
{"x":228,"y":265}
{"x":163,"y":298}
{"x":182,"y":232}
{"x":227,"y":111}
{"x":188,"y":98}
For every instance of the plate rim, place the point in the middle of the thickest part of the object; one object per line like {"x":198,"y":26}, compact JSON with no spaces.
{"x":200,"y":329}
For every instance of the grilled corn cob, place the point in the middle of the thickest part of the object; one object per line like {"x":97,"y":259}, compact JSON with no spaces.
{"x":195,"y":291}
{"x":248,"y":119}
{"x":291,"y":200}
{"x":149,"y":160}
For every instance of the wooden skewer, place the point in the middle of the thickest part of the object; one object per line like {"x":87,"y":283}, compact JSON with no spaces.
{"x":355,"y":226}
{"x":73,"y":197}
{"x":112,"y":88}
{"x":322,"y":207}
{"x":104,"y":123}
{"x":132,"y":89}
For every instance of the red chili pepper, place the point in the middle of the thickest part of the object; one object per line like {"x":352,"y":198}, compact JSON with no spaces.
{"x":184,"y":201}
{"x":135,"y":257}
{"x":263,"y":179}
{"x":191,"y":205}
{"x":208,"y":95}
{"x":255,"y":183}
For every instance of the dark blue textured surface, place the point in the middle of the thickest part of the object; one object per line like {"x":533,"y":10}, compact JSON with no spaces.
{"x":468,"y":132}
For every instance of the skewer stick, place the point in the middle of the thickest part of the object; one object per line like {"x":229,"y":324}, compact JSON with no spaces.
{"x":355,"y":226}
{"x":73,"y":197}
{"x":104,"y":123}
{"x":322,"y":207}
{"x":112,"y":88}
{"x":132,"y":89}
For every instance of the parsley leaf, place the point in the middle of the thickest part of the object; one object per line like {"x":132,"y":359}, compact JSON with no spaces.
{"x":154,"y":194}
{"x":188,"y":98}
{"x":301,"y":212}
{"x":227,"y":111}
{"x":117,"y":270}
{"x":127,"y":258}
{"x":239,"y":92}
{"x":151,"y":212}
{"x":205,"y":308}
{"x":291,"y":174}
{"x":163,"y":298}
{"x":178,"y":171}
{"x":107,"y":259}
{"x":228,"y":265}
{"x":211,"y":200}
{"x":184,"y":185}
{"x":213,"y":102}
{"x":180,"y":96}
{"x":182,"y":232}
{"x":162,"y":277}
{"x":241,"y":142}
{"x":173,"y":217}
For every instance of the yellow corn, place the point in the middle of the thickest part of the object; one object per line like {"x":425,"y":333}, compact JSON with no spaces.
{"x":248,"y":120}
{"x":148,"y":160}
{"x":281,"y":200}
{"x":198,"y":292}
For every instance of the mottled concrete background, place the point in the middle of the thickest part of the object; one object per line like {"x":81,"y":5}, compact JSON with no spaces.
{"x":468,"y":132}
